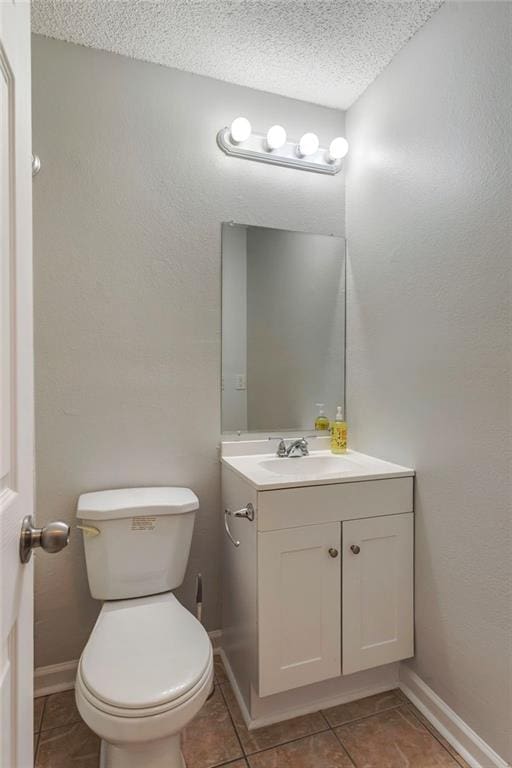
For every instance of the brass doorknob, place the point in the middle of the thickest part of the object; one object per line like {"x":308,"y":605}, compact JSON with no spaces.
{"x":333,"y":552}
{"x":355,"y":549}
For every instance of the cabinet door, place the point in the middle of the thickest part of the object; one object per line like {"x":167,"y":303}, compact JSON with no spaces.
{"x":299,"y":606}
{"x":377,"y":591}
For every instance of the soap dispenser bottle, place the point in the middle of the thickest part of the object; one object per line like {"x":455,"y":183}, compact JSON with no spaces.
{"x":321,"y":421}
{"x":339,"y":433}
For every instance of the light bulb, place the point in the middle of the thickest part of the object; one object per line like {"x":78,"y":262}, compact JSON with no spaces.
{"x":240,"y":129}
{"x":276,"y":137}
{"x":308,"y":145}
{"x":338,"y":148}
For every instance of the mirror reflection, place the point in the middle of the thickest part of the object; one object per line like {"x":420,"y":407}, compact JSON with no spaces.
{"x":283,"y":328}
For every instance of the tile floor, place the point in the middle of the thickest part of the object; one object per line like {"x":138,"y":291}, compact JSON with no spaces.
{"x":382,"y":731}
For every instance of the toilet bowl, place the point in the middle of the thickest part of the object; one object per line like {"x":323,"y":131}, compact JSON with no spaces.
{"x":147,"y":668}
{"x":144,"y":674}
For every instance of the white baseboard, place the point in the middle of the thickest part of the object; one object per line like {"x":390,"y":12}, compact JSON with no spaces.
{"x":236,"y":690}
{"x":55,"y":678}
{"x":475,"y":751}
{"x":216,"y":638}
{"x":61,"y":677}
{"x":327,"y":703}
{"x":296,"y":710}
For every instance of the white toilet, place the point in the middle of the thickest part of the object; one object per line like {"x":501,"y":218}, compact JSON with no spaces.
{"x":147,"y":668}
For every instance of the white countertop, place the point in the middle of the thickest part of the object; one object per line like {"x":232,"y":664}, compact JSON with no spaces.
{"x":265,"y":471}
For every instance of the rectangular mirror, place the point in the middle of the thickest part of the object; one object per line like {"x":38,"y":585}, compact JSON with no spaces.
{"x":283,"y":328}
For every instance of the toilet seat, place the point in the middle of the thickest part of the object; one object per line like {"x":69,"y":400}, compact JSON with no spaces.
{"x":180,"y":702}
{"x":144,"y":656}
{"x":128,"y":727}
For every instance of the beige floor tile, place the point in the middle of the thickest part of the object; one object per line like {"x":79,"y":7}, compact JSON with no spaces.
{"x":322,"y":750}
{"x":38,"y":712}
{"x":210,"y":739}
{"x":67,"y":747}
{"x":393,"y":739}
{"x":60,"y":710}
{"x":220,"y":672}
{"x":355,"y":710}
{"x":236,"y":764}
{"x":272,"y":735}
{"x":436,"y":734}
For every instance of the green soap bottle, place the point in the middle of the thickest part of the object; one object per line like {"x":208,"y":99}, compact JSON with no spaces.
{"x":339,"y":433}
{"x":321,"y":421}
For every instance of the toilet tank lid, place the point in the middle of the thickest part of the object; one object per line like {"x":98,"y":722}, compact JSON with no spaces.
{"x":132,"y":502}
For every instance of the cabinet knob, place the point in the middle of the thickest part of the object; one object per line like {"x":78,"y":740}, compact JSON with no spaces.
{"x":355,"y":549}
{"x":333,"y":552}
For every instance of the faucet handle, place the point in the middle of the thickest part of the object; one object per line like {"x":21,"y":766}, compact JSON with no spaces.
{"x":304,"y":446}
{"x":281,"y":448}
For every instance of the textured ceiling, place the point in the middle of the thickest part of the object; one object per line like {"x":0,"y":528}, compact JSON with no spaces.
{"x":322,"y":51}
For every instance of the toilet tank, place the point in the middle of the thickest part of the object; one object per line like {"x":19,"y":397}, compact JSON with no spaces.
{"x":136,"y":540}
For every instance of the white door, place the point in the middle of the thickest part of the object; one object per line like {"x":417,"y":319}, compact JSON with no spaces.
{"x":377,"y":591}
{"x":16,"y":387}
{"x":299,"y":606}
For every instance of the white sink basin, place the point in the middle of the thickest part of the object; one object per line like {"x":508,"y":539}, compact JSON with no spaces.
{"x":308,"y":465}
{"x":266,"y":471}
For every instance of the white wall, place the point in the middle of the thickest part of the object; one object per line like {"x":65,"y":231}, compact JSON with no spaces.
{"x":429,"y":238}
{"x":127,"y":215}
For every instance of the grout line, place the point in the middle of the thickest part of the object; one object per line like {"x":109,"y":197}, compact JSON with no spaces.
{"x":38,"y":734}
{"x":232,"y":722}
{"x":62,"y":725}
{"x":320,"y":712}
{"x":333,"y":731}
{"x":435,"y":735}
{"x":36,"y":747}
{"x":304,"y":737}
{"x":288,"y":741}
{"x":365,"y":717}
{"x":281,"y":743}
{"x":45,"y":702}
{"x":345,"y":750}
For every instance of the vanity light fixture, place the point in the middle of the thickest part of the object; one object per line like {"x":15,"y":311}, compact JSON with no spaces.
{"x":308,"y":145}
{"x":276,"y":137}
{"x":240,"y":130}
{"x":239,"y":140}
{"x":338,"y":148}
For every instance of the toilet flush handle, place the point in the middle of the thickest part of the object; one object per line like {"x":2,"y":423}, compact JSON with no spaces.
{"x":89,"y":530}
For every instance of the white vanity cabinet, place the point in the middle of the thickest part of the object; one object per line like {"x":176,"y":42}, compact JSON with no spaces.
{"x":299,"y":606}
{"x":377,"y":592}
{"x":321,"y":584}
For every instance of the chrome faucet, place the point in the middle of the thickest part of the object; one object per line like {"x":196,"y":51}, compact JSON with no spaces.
{"x":296,"y":448}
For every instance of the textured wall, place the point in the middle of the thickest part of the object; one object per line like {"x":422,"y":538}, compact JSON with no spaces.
{"x":429,"y":234}
{"x":127,"y":214}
